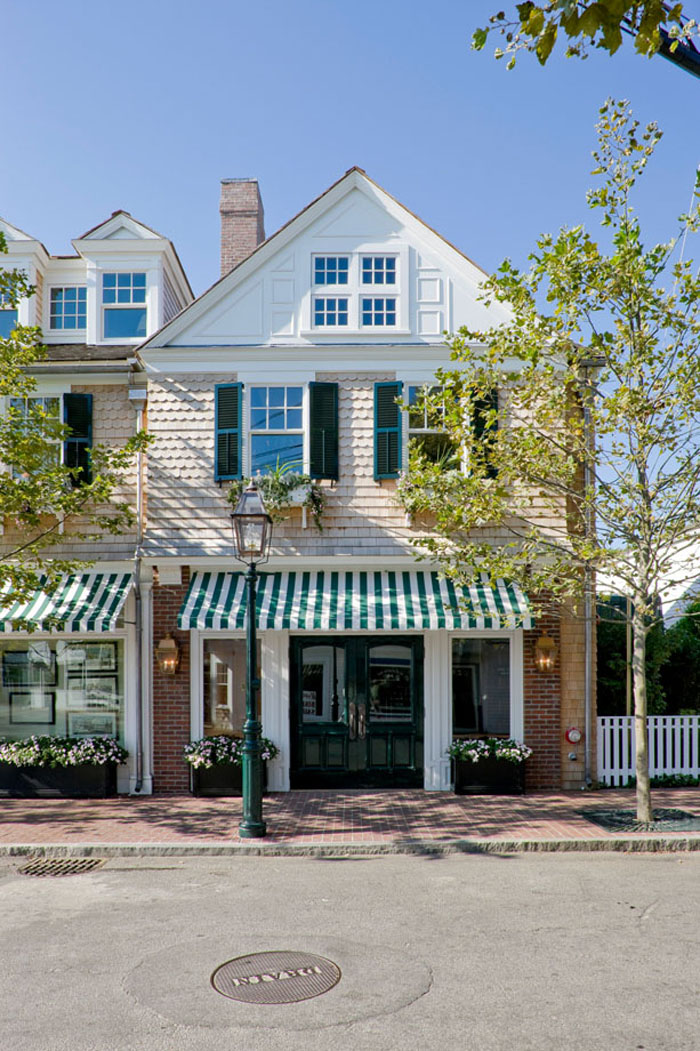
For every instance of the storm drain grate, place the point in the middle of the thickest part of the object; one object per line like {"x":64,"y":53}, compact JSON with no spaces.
{"x":275,"y":977}
{"x":665,"y":820}
{"x":60,"y":866}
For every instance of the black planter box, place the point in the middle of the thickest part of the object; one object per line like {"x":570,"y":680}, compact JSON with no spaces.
{"x":60,"y":782}
{"x":222,"y":779}
{"x":489,"y":777}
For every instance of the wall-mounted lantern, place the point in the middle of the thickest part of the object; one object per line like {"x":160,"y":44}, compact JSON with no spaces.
{"x":168,"y":655}
{"x":545,"y":652}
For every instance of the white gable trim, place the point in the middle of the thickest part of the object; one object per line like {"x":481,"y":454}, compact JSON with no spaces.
{"x":355,"y":179}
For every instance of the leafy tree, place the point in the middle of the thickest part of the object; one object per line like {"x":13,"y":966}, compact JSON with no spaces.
{"x":533,"y":27}
{"x":594,"y":346}
{"x":43,"y":501}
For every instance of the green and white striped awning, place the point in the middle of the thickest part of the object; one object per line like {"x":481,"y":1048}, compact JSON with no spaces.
{"x":326,"y":600}
{"x":80,"y":602}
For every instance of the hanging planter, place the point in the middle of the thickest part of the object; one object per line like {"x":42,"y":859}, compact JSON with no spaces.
{"x":489,"y":766}
{"x":282,"y":489}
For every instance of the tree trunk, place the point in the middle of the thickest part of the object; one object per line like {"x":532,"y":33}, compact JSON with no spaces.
{"x":639,"y":676}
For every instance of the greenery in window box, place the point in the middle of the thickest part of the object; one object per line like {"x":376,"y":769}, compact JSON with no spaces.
{"x":489,"y":748}
{"x":278,"y":489}
{"x":62,"y":751}
{"x":424,"y":481}
{"x":221,"y":749}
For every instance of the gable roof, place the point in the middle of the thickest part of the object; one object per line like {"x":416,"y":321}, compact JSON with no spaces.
{"x":354,"y":178}
{"x":120,"y":224}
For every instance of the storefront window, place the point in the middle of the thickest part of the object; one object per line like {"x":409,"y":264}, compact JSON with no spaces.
{"x":58,"y":687}
{"x":481,"y":686}
{"x":224,"y":684}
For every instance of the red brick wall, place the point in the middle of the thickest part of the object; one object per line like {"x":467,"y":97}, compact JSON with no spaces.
{"x":542,"y":705}
{"x":171,"y":694}
{"x":242,"y":221}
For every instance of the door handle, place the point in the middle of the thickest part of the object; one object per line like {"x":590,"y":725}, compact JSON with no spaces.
{"x":352,"y":721}
{"x":362,"y":721}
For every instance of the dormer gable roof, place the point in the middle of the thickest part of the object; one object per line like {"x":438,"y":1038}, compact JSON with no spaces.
{"x":120,"y":225}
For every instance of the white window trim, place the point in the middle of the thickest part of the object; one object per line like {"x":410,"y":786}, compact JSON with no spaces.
{"x":147,"y":305}
{"x":247,"y":458}
{"x":66,"y":333}
{"x":354,"y":291}
{"x":517,"y":713}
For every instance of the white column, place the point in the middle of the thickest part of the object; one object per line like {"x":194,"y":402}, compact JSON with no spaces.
{"x":274,"y":660}
{"x":437,"y":695}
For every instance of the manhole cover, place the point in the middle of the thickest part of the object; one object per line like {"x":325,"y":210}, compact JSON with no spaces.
{"x":665,"y":820}
{"x":275,"y":977}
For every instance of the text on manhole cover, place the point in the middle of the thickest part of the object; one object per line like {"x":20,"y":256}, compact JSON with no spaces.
{"x":275,"y":977}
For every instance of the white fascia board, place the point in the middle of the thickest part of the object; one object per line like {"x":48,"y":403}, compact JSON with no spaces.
{"x":214,"y":563}
{"x":122,"y":248}
{"x":121,"y":221}
{"x":289,"y":360}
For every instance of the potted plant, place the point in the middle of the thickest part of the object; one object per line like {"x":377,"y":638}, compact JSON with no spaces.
{"x":281,"y":489}
{"x":216,"y":764}
{"x":489,"y":765}
{"x":66,"y":767}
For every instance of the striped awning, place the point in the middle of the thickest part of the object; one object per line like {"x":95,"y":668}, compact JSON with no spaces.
{"x":81,"y":602}
{"x":328,"y":600}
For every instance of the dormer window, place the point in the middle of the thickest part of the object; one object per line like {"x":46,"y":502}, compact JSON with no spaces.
{"x":124,"y":305}
{"x":8,"y":316}
{"x":68,"y":308}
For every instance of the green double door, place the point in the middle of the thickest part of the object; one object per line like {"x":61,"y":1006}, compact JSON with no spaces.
{"x":357,"y":711}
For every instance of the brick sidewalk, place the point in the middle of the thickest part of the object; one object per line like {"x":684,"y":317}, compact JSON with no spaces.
{"x":389,"y":820}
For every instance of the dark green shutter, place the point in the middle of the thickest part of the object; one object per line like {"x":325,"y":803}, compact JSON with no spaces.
{"x":387,"y":430}
{"x":323,"y":412}
{"x":228,"y":431}
{"x":484,"y":430}
{"x":77,"y":415}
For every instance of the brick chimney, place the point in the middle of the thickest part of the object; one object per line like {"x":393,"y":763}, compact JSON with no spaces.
{"x":242,"y":221}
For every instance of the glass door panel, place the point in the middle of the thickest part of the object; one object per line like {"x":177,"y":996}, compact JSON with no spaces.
{"x":223,"y":686}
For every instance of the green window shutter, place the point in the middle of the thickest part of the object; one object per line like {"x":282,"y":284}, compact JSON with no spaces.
{"x":387,"y":430}
{"x":228,"y":439}
{"x":77,"y":415}
{"x":484,"y":430}
{"x":323,"y":412}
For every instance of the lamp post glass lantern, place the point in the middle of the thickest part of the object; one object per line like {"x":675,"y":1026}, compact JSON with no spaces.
{"x":252,"y":533}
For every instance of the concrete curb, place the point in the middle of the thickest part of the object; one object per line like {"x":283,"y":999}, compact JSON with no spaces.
{"x":619,"y":844}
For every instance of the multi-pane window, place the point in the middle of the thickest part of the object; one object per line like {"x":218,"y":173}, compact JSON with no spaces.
{"x":8,"y":316}
{"x":426,"y":426}
{"x":68,"y":308}
{"x":124,"y":304}
{"x":378,"y":311}
{"x":378,"y":270}
{"x":331,"y":269}
{"x":33,"y":415}
{"x":330,"y":310}
{"x":276,"y":429}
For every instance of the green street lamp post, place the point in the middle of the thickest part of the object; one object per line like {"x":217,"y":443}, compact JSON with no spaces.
{"x":252,"y":533}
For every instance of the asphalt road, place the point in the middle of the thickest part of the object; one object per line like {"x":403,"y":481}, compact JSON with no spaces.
{"x":558,"y":951}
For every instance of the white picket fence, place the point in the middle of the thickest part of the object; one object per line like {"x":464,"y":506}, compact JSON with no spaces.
{"x":674,"y":746}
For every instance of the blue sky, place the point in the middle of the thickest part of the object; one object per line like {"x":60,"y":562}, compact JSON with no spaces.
{"x":148,"y":105}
